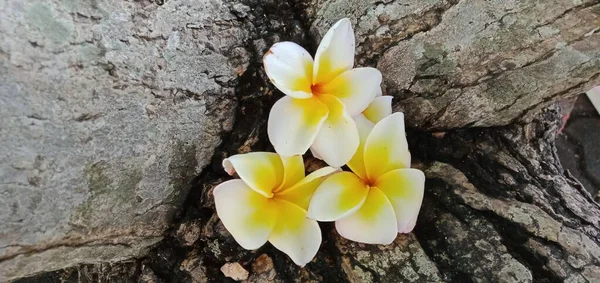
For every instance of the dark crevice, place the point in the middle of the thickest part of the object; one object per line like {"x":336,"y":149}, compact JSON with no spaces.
{"x":472,"y":152}
{"x":329,"y":256}
{"x":514,"y":238}
{"x":467,"y":151}
{"x":268,"y":22}
{"x":544,"y":103}
{"x":439,"y":201}
{"x":581,"y":163}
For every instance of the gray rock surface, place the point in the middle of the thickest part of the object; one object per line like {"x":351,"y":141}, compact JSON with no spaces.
{"x":453,"y":64}
{"x":108,"y":110}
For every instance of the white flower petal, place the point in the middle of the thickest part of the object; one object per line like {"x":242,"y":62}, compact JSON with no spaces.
{"x":293,"y":171}
{"x":335,"y":53}
{"x":295,"y":235}
{"x":339,"y":195}
{"x":379,"y":108}
{"x":338,"y":137}
{"x":356,"y":88}
{"x":294,"y":123}
{"x":315,"y":154}
{"x":301,"y":193}
{"x":261,"y":171}
{"x":373,"y":223}
{"x":386,"y":148}
{"x":247,"y":215}
{"x":404,"y":188}
{"x":289,"y":67}
{"x":357,"y":163}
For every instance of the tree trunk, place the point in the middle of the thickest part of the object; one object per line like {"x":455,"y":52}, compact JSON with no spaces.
{"x":477,"y":80}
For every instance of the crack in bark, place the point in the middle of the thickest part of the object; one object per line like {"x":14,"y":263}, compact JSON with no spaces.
{"x":514,"y":237}
{"x":527,"y":112}
{"x":566,"y":12}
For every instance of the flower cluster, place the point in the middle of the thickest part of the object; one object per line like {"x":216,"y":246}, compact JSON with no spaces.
{"x":339,"y":113}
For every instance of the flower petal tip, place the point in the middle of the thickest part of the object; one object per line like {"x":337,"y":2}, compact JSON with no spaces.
{"x":289,"y":67}
{"x":228,"y":167}
{"x":407,"y":227}
{"x":344,"y":21}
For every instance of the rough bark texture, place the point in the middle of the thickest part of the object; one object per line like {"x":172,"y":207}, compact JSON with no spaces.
{"x":108,"y":110}
{"x":113,"y":107}
{"x":467,"y":63}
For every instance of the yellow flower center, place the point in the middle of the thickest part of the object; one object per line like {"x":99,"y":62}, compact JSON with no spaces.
{"x":369,"y":183}
{"x":316,"y":89}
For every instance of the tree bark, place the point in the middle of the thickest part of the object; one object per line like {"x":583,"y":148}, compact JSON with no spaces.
{"x":452,"y":63}
{"x":478,"y":81}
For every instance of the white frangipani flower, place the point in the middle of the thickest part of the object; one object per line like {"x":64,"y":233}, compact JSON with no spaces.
{"x":322,"y":96}
{"x":382,"y":195}
{"x":269,"y":203}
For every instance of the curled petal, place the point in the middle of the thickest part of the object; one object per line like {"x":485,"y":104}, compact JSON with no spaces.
{"x":247,"y":215}
{"x":289,"y":67}
{"x":386,"y":148}
{"x":339,"y":195}
{"x":300,"y":193}
{"x":356,"y":88}
{"x":294,"y":234}
{"x":335,"y":53}
{"x":261,"y":171}
{"x":294,"y":123}
{"x":357,"y":163}
{"x":338,"y":137}
{"x":404,"y":188}
{"x":373,"y":223}
{"x":379,"y":108}
{"x":293,"y":171}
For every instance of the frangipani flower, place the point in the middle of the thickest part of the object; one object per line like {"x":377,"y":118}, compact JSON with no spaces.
{"x":321,"y":98}
{"x":269,"y":203}
{"x":379,"y":108}
{"x":382,"y":196}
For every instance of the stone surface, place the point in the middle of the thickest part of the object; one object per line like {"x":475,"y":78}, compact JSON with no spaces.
{"x":452,"y":63}
{"x":108,"y":110}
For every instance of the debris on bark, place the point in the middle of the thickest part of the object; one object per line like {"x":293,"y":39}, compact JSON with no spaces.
{"x":234,"y":271}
